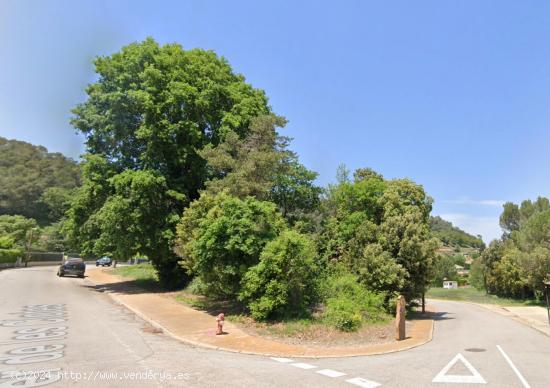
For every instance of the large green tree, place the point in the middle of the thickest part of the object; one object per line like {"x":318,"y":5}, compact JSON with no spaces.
{"x":262,"y":166}
{"x":517,"y":265}
{"x":153,"y":109}
{"x":379,"y":230}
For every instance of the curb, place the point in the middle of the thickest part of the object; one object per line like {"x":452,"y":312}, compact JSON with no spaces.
{"x":187,"y":341}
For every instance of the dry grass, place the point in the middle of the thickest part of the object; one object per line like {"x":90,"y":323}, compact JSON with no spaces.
{"x":310,"y":331}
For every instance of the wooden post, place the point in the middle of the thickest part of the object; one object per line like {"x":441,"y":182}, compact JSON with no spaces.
{"x":400,"y":312}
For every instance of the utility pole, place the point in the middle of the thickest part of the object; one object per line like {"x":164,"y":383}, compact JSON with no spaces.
{"x":29,"y":244}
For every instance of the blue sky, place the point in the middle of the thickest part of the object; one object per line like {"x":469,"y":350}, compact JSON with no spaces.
{"x":452,"y":94}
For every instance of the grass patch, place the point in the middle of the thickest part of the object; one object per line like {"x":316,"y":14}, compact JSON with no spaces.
{"x":210,"y":305}
{"x":477,"y":296}
{"x":144,"y":275}
{"x":314,"y":330}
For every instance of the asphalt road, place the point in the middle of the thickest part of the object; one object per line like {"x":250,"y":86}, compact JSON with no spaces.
{"x":60,"y":332}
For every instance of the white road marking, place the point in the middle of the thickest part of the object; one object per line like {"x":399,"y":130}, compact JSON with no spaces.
{"x":443,"y":377}
{"x":364,"y":383}
{"x":330,"y":373}
{"x":283,"y":360}
{"x":303,"y":365}
{"x":516,"y":371}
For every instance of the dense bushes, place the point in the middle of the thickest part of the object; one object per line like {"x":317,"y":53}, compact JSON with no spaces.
{"x":349,"y":305}
{"x":221,"y":237}
{"x":370,"y":243}
{"x":379,"y":230}
{"x":10,"y":256}
{"x":15,"y":234}
{"x":517,"y":265}
{"x":283,"y":282}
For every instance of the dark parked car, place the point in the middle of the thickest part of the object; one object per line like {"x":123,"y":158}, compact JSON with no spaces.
{"x":72,"y":267}
{"x":104,"y":261}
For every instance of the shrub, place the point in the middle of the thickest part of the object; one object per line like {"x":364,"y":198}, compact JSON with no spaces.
{"x":6,"y":242}
{"x":283,"y":282}
{"x":10,"y":256}
{"x":349,"y":305}
{"x":379,"y":272}
{"x":197,"y":287}
{"x":220,"y":237}
{"x":476,"y":276}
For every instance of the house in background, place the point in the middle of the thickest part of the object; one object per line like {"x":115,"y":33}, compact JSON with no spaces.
{"x":450,"y":284}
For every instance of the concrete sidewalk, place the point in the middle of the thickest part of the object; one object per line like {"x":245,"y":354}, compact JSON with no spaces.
{"x":533,"y":316}
{"x":198,"y":328}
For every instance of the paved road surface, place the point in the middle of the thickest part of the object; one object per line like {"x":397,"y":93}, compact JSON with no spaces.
{"x":96,"y":343}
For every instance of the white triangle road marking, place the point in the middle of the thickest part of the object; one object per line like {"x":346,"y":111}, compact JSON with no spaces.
{"x":443,"y":377}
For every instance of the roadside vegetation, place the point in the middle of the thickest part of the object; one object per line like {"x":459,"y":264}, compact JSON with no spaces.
{"x":35,"y":189}
{"x":185,"y":164}
{"x":516,"y":265}
{"x":143,"y":275}
{"x":471,"y":294}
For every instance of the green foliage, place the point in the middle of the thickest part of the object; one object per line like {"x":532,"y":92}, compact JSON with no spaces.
{"x":197,"y":287}
{"x":53,"y":239}
{"x":57,"y":200}
{"x":151,"y":111}
{"x":18,"y":229}
{"x":262,"y":166}
{"x":476,"y":277}
{"x":517,"y":265}
{"x":27,"y":173}
{"x":471,"y":294}
{"x":82,"y":226}
{"x":220,"y":237}
{"x":246,"y":167}
{"x":10,"y":256}
{"x":444,"y":268}
{"x":137,"y":216}
{"x":6,"y":242}
{"x":143,"y":275}
{"x":283,"y":282}
{"x":450,"y":235}
{"x":379,"y":229}
{"x":379,"y":271}
{"x":153,"y":107}
{"x":349,"y":305}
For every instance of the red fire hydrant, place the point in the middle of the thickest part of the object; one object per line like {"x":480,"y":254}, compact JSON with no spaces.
{"x":220,"y":319}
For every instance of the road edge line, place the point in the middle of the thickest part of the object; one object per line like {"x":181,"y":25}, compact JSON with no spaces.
{"x":516,"y":371}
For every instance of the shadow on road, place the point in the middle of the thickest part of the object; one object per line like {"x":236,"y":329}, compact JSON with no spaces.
{"x":211,"y":306}
{"x":436,"y":316}
{"x":127,"y":287}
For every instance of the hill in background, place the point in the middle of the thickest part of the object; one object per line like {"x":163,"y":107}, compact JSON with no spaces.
{"x":31,"y":178}
{"x":451,"y":236}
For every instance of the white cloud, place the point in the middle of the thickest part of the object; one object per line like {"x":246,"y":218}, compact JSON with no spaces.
{"x":487,"y":227}
{"x":469,"y":201}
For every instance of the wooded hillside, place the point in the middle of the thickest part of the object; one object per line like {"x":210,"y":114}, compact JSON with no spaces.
{"x":33,"y":181}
